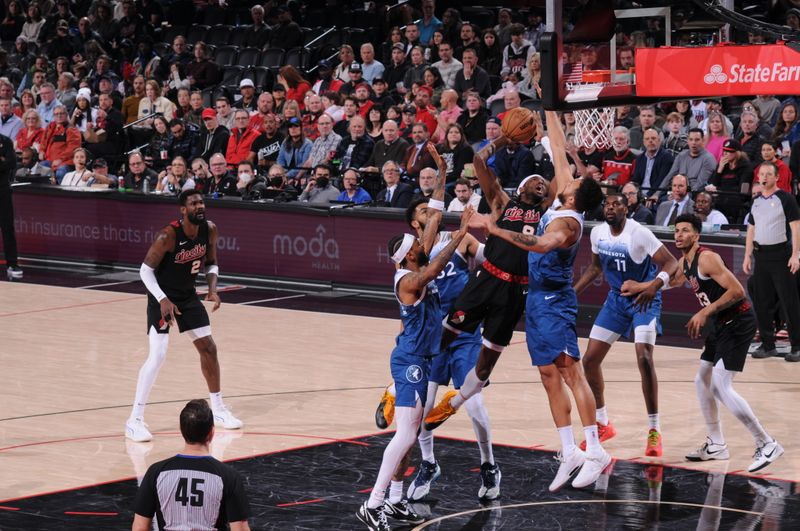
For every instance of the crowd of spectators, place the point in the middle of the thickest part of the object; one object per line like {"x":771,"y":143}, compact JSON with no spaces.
{"x":104,"y":93}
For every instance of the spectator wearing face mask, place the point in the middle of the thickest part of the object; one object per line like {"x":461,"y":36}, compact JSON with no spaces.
{"x":249,"y":185}
{"x":319,"y":188}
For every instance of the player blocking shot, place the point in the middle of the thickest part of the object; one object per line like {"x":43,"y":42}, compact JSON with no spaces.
{"x":420,"y":314}
{"x":622,"y":249}
{"x":732,"y":325}
{"x":169,"y":273}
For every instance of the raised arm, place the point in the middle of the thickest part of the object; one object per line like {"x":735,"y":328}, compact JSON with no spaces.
{"x":558,"y":145}
{"x":594,"y":270}
{"x":490,"y":185}
{"x":434,"y":214}
{"x":560,"y":232}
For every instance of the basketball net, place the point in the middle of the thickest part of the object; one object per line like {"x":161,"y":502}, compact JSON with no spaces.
{"x":592,"y":126}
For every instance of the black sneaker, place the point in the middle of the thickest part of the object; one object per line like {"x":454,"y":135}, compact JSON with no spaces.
{"x":490,"y":481}
{"x":421,"y":486}
{"x":793,"y":356}
{"x":375,"y":519}
{"x":761,"y":352}
{"x":401,"y":512}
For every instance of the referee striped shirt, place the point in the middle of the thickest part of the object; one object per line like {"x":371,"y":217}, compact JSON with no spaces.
{"x":771,"y":216}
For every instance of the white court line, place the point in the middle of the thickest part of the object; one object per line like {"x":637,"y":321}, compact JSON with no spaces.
{"x":107,"y":284}
{"x":274,"y":299}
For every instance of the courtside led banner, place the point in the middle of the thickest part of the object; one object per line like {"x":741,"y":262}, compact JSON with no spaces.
{"x":717,"y":71}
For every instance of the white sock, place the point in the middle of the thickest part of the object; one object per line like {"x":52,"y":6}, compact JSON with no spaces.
{"x":216,"y":401}
{"x":408,"y":420}
{"x":567,"y":440}
{"x":708,"y":403}
{"x":472,"y":386}
{"x":425,"y":437}
{"x":592,"y":439}
{"x":149,"y":371}
{"x":482,"y":427}
{"x":654,"y":422}
{"x":396,"y":492}
{"x":392,"y":390}
{"x":723,"y":387}
{"x":602,"y":415}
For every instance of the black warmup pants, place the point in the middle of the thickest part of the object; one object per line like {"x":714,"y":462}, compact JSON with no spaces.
{"x":7,"y":226}
{"x":774,"y":284}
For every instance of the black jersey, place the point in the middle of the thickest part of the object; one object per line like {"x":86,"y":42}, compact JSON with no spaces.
{"x":517,"y":217}
{"x":707,"y":290}
{"x":192,"y":492}
{"x":177,"y":272}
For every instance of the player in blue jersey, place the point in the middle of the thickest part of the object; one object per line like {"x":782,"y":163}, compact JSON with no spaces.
{"x":551,"y":312}
{"x":420,"y":312}
{"x":622,"y":249}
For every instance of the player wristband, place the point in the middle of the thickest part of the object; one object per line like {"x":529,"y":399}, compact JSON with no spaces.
{"x":664,"y":276}
{"x":435,"y":204}
{"x":479,"y":257}
{"x":212,"y":270}
{"x":148,"y":275}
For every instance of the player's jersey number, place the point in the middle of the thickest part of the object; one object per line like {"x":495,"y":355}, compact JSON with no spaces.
{"x":195,"y":267}
{"x":448,"y":271}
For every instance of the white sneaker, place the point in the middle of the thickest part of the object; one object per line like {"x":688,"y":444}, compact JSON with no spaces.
{"x":592,"y":468}
{"x":569,"y":464}
{"x":225,"y":418}
{"x":709,"y":451}
{"x":765,"y":454}
{"x":136,"y":430}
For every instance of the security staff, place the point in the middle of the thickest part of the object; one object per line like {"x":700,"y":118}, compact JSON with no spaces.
{"x":8,"y":165}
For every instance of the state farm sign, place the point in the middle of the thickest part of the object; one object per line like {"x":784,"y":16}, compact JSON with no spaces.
{"x":717,"y":71}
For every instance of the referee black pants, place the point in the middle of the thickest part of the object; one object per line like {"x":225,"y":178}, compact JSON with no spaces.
{"x":774,"y":284}
{"x":7,"y":226}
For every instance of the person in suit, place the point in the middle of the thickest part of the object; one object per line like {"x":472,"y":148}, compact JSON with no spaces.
{"x":396,"y":194}
{"x":636,"y":204}
{"x":417,"y":156}
{"x":679,"y":202}
{"x":651,"y":176}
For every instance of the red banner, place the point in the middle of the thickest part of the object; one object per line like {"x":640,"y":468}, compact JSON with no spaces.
{"x":723,"y":70}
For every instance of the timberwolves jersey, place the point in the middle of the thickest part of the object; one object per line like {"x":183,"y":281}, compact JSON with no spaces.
{"x":177,"y":272}
{"x":626,"y":256}
{"x":422,"y":321}
{"x":454,"y":276}
{"x":553,"y":270}
{"x":516,"y":217}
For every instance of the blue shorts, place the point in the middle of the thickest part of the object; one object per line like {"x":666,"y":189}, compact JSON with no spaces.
{"x":410,"y":374}
{"x":550,"y":317}
{"x":456,"y":362}
{"x":620,"y":315}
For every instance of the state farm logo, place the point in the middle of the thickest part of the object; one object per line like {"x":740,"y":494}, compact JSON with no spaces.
{"x":742,"y":73}
{"x":716,"y":75}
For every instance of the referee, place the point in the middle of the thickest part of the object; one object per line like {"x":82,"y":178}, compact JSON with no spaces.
{"x":192,"y":490}
{"x":774,"y":216}
{"x":8,"y":164}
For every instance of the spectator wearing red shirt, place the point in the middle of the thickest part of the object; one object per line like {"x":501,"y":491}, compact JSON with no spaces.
{"x":59,"y":142}
{"x":313,"y":112}
{"x":618,"y":162}
{"x":241,"y":139}
{"x":422,"y":100}
{"x":31,"y":133}
{"x":769,"y":152}
{"x":296,"y":86}
{"x":362,"y":99}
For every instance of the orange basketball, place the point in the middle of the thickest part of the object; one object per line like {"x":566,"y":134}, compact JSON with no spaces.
{"x":519,"y":125}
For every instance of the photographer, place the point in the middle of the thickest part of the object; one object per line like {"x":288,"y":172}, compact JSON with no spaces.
{"x":319,"y":188}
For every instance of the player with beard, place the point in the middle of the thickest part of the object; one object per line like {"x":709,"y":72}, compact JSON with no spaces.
{"x":496,"y":291}
{"x":169,"y":272}
{"x":460,"y":357}
{"x":420,"y":314}
{"x":732,"y":327}
{"x":622,"y":249}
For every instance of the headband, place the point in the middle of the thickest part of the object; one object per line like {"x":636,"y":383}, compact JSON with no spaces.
{"x":402,"y":251}
{"x":526,"y":179}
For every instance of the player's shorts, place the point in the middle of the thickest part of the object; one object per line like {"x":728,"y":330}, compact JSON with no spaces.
{"x":621,"y":316}
{"x":496,"y":303}
{"x":193,"y":315}
{"x":550,"y":317}
{"x":456,"y":362}
{"x":410,"y":374}
{"x":729,"y":341}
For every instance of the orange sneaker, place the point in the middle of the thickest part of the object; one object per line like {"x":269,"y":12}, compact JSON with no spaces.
{"x":654,"y":475}
{"x":653,"y":448}
{"x":384,"y":414}
{"x":604,"y":433}
{"x":441,"y":411}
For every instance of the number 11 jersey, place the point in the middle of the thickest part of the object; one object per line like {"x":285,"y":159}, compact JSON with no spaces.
{"x":626,"y":256}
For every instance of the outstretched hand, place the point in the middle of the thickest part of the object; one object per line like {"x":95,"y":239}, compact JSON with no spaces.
{"x":437,"y":158}
{"x":466,"y":217}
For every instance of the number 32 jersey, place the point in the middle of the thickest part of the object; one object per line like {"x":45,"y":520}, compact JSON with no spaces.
{"x":626,"y":256}
{"x":177,"y":272}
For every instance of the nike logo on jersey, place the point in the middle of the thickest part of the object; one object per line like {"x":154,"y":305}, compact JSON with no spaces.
{"x":550,"y":297}
{"x":184,"y":242}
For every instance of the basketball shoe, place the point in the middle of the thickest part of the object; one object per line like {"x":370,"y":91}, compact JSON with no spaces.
{"x":421,"y":486}
{"x":653,"y":448}
{"x":14,"y":273}
{"x":490,"y":481}
{"x":592,"y":467}
{"x":570,"y":462}
{"x":136,"y":430}
{"x":223,"y":417}
{"x":765,"y":454}
{"x":441,"y":411}
{"x":384,"y":414}
{"x":709,"y":451}
{"x":401,"y":512}
{"x":374,"y":519}
{"x":604,"y":433}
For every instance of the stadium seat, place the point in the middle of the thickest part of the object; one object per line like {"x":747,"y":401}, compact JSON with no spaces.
{"x":533,"y":105}
{"x":226,"y":55}
{"x":231,"y":75}
{"x":262,"y":77}
{"x":162,"y":48}
{"x":219,"y":35}
{"x":271,"y":57}
{"x":496,"y":107}
{"x":237,"y":37}
{"x":494,"y":83}
{"x":208,"y":97}
{"x":173,"y":31}
{"x":355,"y":38}
{"x":249,"y":57}
{"x":297,"y":57}
{"x":197,"y":33}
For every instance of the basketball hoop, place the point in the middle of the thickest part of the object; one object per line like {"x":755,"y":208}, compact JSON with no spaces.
{"x":592,"y":126}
